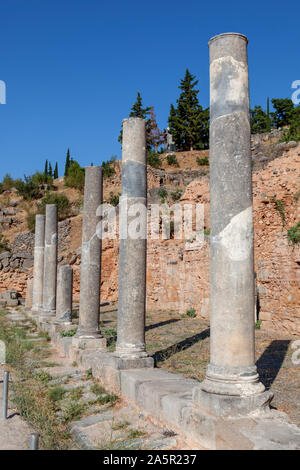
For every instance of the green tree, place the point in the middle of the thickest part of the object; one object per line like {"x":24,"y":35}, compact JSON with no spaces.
{"x":68,"y":163}
{"x":138,"y":110}
{"x":55,"y":174}
{"x":50,"y":171}
{"x":259,"y":120}
{"x":293,"y":133}
{"x":75,"y":177}
{"x":46,"y":168}
{"x":188,"y":122}
{"x":283,"y":114}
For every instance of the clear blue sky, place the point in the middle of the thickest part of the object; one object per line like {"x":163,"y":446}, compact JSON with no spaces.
{"x":73,"y":67}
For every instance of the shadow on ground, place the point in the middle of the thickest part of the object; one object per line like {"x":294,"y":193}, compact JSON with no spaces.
{"x":270,"y":362}
{"x":164,"y":354}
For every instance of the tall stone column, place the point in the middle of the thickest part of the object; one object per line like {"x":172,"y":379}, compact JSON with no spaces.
{"x":38,"y":270}
{"x":50,"y":264}
{"x":64,"y":294}
{"x":232,"y":385}
{"x":132,"y":257}
{"x":88,"y":334}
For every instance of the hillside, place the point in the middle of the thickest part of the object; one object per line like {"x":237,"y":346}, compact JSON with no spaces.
{"x":177,"y":277}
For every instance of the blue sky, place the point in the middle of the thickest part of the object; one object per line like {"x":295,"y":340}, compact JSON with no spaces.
{"x":72,"y":68}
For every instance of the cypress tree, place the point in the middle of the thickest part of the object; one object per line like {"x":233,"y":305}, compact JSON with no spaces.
{"x":55,"y":174}
{"x":50,"y":172}
{"x":68,"y":162}
{"x":46,"y":169}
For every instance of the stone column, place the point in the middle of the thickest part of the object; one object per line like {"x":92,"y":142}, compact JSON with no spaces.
{"x":132,"y":258}
{"x":38,"y":270}
{"x":64,"y":294}
{"x":28,"y":297}
{"x":232,"y":385}
{"x":50,"y":263}
{"x":88,"y":334}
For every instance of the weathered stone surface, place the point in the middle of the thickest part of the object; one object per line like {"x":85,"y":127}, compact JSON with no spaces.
{"x":38,"y":272}
{"x":50,"y":263}
{"x":132,"y":259}
{"x":64,"y":294}
{"x":89,"y":309}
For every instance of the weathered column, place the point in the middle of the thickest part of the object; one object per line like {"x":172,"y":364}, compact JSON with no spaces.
{"x":38,"y":270}
{"x":50,"y":263}
{"x":133,"y":243}
{"x":64,"y":294}
{"x":88,"y":334}
{"x":232,"y":385}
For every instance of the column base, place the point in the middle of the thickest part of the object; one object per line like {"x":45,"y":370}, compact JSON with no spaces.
{"x":231,"y":392}
{"x":81,"y":342}
{"x":47,"y":316}
{"x":131,"y":351}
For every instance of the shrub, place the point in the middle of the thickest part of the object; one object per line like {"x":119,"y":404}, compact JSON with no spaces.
{"x":294,"y":234}
{"x":75,"y":177}
{"x":108,"y":168}
{"x":63,"y":204}
{"x":28,"y":189}
{"x":56,"y":393}
{"x":30,"y":220}
{"x":7,"y":183}
{"x":153,"y":159}
{"x":279,"y":205}
{"x":202,"y":161}
{"x":191,"y":313}
{"x":114,"y":199}
{"x":172,"y":159}
{"x":163,"y":194}
{"x":68,"y":333}
{"x":3,"y":244}
{"x":176,"y":195}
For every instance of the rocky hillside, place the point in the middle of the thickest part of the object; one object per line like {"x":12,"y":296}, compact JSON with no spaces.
{"x":177,"y":276}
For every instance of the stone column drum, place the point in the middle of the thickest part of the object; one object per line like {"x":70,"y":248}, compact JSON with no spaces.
{"x":88,"y":334}
{"x":50,"y":264}
{"x":64,"y":294}
{"x":232,"y":385}
{"x":38,"y":270}
{"x":132,"y":258}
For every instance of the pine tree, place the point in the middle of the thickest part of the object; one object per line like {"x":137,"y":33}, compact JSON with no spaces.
{"x":68,"y":163}
{"x":259,"y":120}
{"x":55,"y":174}
{"x":46,"y":169}
{"x":189,"y":122}
{"x":284,"y":111}
{"x":137,"y":110}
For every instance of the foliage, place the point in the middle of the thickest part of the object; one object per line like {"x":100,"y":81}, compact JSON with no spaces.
{"x":56,"y":393}
{"x":30,"y":220}
{"x":283,"y":114}
{"x":279,"y":205}
{"x":191,"y":313}
{"x":176,"y":195}
{"x":55,"y":174}
{"x":108,"y":167}
{"x":258,"y":325}
{"x":189,"y":123}
{"x":163,"y":194}
{"x":68,"y":333}
{"x":293,"y":133}
{"x":67,"y":163}
{"x":172,"y":159}
{"x":3,"y":244}
{"x":153,"y":159}
{"x":114,"y":199}
{"x":294,"y":234}
{"x":63,"y":205}
{"x":75,"y":176}
{"x":202,"y":161}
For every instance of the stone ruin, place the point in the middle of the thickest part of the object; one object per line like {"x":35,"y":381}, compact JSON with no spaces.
{"x":230,"y":408}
